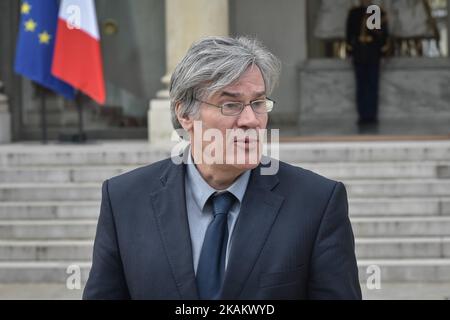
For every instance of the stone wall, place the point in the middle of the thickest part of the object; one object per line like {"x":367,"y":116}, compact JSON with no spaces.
{"x":412,"y":91}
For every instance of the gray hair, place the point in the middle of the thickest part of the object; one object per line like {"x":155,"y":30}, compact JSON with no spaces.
{"x":213,"y":63}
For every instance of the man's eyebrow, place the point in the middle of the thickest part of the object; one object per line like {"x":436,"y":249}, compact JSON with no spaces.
{"x":237,"y":94}
{"x":230,"y":94}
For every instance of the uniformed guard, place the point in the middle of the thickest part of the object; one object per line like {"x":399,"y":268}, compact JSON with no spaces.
{"x":366,"y":47}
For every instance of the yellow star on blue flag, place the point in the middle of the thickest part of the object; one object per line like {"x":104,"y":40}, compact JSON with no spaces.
{"x":25,"y":8}
{"x":35,"y":45}
{"x":30,"y":25}
{"x":44,"y":37}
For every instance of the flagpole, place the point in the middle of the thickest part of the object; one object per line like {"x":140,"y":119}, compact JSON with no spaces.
{"x":81,"y":137}
{"x":43,"y":98}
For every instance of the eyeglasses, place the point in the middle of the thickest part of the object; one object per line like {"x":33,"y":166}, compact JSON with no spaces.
{"x":261,"y":106}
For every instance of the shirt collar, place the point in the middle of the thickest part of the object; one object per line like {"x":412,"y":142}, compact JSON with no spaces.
{"x":201,"y":190}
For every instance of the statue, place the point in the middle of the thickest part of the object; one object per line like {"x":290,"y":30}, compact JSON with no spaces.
{"x":409,"y":18}
{"x":410,"y":22}
{"x":330,"y":23}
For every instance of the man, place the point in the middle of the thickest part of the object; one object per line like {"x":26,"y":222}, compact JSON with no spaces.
{"x":207,"y":229}
{"x":367,"y":47}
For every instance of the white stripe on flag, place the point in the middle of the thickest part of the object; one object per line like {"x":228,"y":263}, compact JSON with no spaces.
{"x":80,"y":14}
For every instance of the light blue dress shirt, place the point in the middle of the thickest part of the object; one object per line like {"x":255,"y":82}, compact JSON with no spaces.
{"x":200,"y":213}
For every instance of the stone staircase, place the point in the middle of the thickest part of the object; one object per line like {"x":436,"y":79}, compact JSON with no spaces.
{"x":399,"y":200}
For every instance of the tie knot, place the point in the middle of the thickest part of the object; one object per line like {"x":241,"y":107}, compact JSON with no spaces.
{"x":222,"y":203}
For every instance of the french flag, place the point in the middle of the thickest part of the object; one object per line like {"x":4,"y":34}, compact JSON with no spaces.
{"x":77,"y":57}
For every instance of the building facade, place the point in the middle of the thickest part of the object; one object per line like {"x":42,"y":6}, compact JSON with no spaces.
{"x":143,"y":39}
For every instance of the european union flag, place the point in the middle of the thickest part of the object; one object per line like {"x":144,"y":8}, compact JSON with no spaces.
{"x":34,"y":51}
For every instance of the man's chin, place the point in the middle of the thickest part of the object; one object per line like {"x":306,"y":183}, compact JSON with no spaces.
{"x":245,"y":166}
{"x":244,"y":159}
{"x":250,"y":162}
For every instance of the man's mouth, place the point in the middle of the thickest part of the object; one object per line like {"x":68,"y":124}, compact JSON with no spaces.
{"x":246,"y":140}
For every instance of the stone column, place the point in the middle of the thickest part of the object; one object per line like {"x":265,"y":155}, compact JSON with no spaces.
{"x":448,"y":29}
{"x":5,"y":118}
{"x":186,"y":22}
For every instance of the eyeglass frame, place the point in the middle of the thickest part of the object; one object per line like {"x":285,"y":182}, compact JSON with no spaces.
{"x":243,"y":106}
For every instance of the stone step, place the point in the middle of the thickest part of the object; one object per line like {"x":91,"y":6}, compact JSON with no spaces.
{"x":43,"y":271}
{"x":405,"y":270}
{"x":50,"y":192}
{"x":364,"y":151}
{"x":366,"y":248}
{"x":44,"y":250}
{"x":140,"y":152}
{"x":338,"y":171}
{"x":362,"y":227}
{"x":120,"y":153}
{"x":355,"y":188}
{"x":380,"y":170}
{"x":391,"y":270}
{"x":47,"y":229}
{"x":402,"y":248}
{"x":60,"y":174}
{"x":49,"y":210}
{"x":400,"y":226}
{"x":398,"y":188}
{"x":417,"y":206}
{"x":358,"y":207}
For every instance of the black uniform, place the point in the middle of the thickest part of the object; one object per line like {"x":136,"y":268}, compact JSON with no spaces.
{"x":366,"y":47}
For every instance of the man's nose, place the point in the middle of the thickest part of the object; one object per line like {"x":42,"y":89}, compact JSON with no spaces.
{"x":247,"y":118}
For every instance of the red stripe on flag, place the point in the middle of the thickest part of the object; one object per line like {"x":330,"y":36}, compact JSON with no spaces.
{"x":77,"y":60}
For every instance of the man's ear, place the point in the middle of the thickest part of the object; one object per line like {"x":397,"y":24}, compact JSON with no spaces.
{"x":186,"y":121}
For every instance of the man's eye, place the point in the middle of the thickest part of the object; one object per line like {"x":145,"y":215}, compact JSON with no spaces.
{"x":259,"y":104}
{"x":232,"y":106}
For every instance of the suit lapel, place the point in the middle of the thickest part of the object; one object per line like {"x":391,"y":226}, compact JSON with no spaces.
{"x":169,"y":208}
{"x":258,"y":211}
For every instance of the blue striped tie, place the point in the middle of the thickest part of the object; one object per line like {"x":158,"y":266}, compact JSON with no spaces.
{"x":211,"y":266}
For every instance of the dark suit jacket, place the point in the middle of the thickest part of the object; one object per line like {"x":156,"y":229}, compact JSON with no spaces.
{"x":292,"y":240}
